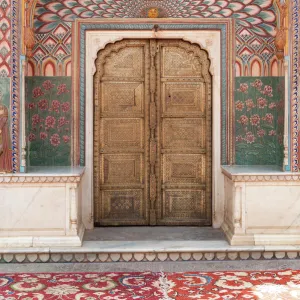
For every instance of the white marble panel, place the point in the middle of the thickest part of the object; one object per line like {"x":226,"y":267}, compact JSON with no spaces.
{"x":30,"y":209}
{"x":273,"y":208}
{"x":262,"y":210}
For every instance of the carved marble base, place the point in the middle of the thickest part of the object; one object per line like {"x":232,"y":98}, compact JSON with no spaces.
{"x":261,"y":206}
{"x":41,"y":210}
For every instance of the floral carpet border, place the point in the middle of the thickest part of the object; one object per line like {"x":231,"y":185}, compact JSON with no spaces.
{"x":280,"y":284}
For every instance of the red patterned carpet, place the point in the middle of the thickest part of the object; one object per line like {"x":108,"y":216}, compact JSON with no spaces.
{"x":273,"y":285}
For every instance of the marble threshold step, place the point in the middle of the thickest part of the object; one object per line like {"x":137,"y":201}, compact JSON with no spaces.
{"x":147,"y":251}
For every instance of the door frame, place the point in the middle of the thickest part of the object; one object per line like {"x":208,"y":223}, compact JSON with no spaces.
{"x":216,"y":36}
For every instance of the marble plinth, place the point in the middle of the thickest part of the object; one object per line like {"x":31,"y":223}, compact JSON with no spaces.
{"x":262,"y":206}
{"x":40,"y":209}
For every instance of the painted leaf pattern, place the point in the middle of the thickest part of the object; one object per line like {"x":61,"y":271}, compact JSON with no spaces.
{"x":249,"y":13}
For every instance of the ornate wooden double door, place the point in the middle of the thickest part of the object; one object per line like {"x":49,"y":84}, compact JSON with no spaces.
{"x":152,"y":134}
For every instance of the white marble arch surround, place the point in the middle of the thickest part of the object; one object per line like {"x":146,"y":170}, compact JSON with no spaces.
{"x":209,"y":40}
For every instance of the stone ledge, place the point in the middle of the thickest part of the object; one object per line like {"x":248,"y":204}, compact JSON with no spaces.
{"x":44,"y":256}
{"x":29,"y":243}
{"x":148,"y":251}
{"x":45,"y":175}
{"x":258,"y":174}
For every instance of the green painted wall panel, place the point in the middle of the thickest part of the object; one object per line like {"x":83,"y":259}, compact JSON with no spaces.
{"x":49,"y":118}
{"x":259,"y":120}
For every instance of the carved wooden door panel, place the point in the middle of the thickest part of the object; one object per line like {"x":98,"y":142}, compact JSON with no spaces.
{"x":184,"y":134}
{"x":152,"y":134}
{"x":121,"y":134}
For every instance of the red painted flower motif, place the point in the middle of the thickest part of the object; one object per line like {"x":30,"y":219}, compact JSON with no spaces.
{"x":243,"y":88}
{"x":43,"y":104}
{"x":62,"y":88}
{"x":35,"y":119}
{"x":250,"y":104}
{"x":254,"y":120}
{"x":269,"y":118}
{"x":65,"y":107}
{"x":261,"y":133}
{"x":50,"y":121}
{"x":43,"y":135}
{"x":55,"y":140}
{"x":257,"y":84}
{"x":280,"y":120}
{"x":272,"y":105}
{"x":31,"y":105}
{"x":268,"y":91}
{"x":243,"y":120}
{"x":261,"y":102}
{"x":66,"y":138}
{"x":55,"y":105}
{"x":37,"y":92}
{"x":272,"y":132}
{"x":61,"y":121}
{"x":31,"y":137}
{"x":239,"y":138}
{"x":250,"y":138}
{"x":239,"y":105}
{"x":47,"y":85}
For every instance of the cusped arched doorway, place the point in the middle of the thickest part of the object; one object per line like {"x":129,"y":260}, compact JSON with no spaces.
{"x":152,"y":134}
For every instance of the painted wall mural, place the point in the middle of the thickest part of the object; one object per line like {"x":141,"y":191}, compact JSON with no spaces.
{"x":259,"y":119}
{"x":255,"y":21}
{"x":255,"y":55}
{"x":255,"y":30}
{"x":5,"y":140}
{"x":52,"y":53}
{"x":49,"y":117}
{"x":257,"y":15}
{"x":5,"y":43}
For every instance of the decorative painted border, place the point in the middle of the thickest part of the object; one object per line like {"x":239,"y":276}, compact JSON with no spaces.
{"x":15,"y":84}
{"x":98,"y":257}
{"x":224,"y":25}
{"x":295,"y":15}
{"x":40,"y":179}
{"x":5,"y":42}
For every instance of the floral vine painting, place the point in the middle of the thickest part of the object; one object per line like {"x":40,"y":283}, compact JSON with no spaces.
{"x":49,"y":112}
{"x":259,"y":120}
